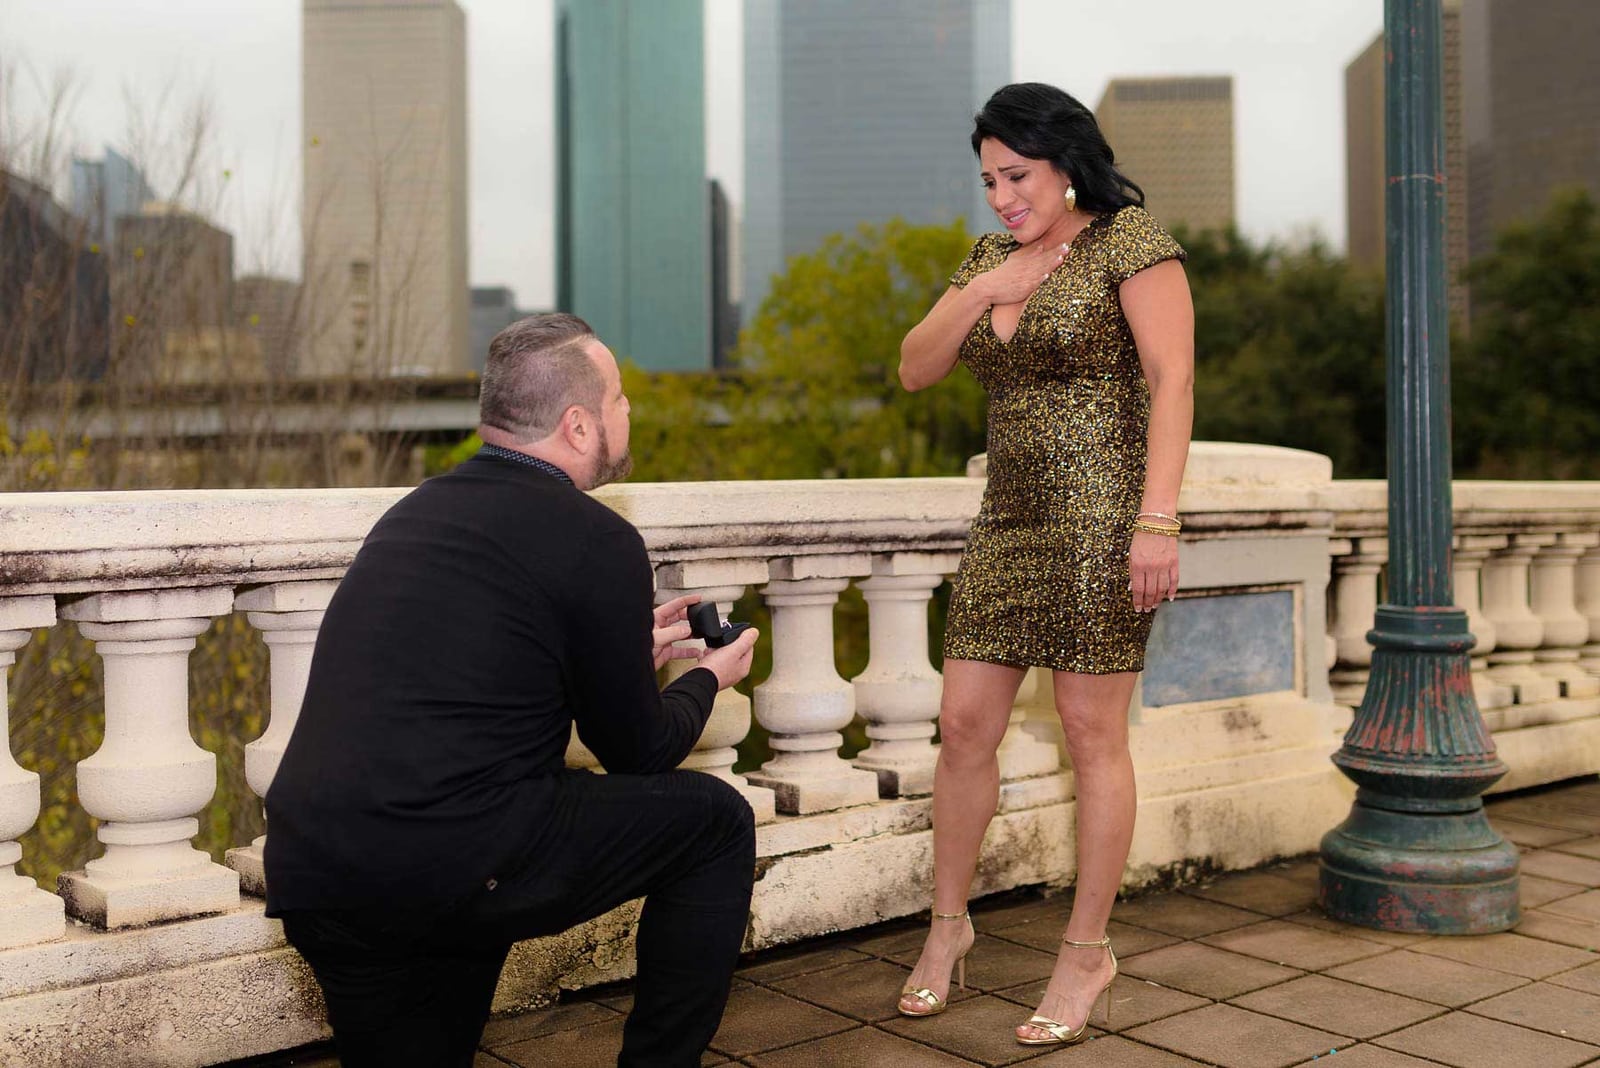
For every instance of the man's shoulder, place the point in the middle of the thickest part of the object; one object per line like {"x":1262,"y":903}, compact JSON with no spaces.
{"x":609,"y":531}
{"x":507,"y":485}
{"x":497,"y":494}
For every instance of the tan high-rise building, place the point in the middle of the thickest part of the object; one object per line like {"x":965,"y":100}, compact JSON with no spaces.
{"x":1174,"y":137}
{"x":1366,"y":168}
{"x":385,"y":212}
{"x":1531,"y":79}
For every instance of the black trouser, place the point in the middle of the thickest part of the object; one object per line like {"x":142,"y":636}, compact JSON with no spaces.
{"x":414,"y":989}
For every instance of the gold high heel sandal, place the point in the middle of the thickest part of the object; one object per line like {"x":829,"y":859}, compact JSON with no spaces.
{"x":1060,"y":1033}
{"x":935,"y":1003}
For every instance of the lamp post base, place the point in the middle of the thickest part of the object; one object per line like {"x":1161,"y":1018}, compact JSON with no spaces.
{"x":1432,"y":867}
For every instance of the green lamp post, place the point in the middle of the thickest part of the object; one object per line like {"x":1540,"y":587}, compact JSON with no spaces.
{"x":1417,"y":852}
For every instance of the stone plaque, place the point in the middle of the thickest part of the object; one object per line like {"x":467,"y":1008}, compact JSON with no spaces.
{"x":1227,"y":645}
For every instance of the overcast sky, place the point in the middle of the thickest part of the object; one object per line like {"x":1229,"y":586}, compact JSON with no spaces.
{"x":243,"y":57}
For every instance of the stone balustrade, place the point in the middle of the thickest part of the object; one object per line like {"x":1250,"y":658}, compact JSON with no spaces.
{"x":159,"y":953}
{"x":1527,"y":572}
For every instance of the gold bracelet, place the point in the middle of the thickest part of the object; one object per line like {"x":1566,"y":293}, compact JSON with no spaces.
{"x":1161,"y":515}
{"x":1151,"y":528}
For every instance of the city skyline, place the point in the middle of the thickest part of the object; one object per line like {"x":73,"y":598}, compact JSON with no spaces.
{"x":1288,"y":77}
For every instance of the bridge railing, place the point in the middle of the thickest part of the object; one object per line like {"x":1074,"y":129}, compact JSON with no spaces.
{"x":1231,"y":726}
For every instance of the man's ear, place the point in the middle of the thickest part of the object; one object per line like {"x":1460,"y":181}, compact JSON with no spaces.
{"x":575,"y":428}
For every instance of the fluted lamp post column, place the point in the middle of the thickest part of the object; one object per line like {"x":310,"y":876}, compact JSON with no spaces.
{"x":1417,"y":852}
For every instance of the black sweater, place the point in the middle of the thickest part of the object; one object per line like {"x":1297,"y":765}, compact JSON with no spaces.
{"x":487,"y":611}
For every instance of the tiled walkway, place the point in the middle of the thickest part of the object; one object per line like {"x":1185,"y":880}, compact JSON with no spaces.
{"x":1243,"y":972}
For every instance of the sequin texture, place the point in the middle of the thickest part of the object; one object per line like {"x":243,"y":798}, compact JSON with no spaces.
{"x":1044,"y":579}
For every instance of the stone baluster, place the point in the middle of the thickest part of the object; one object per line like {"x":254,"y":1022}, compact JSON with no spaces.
{"x":898,"y":692}
{"x":27,"y":913}
{"x":148,"y":779}
{"x":1355,"y":605}
{"x":1588,"y":583}
{"x":804,"y":703}
{"x":1337,"y":547}
{"x":288,"y":615}
{"x":1518,"y":632}
{"x":1038,"y":698}
{"x":1023,"y":753}
{"x":1471,"y":550}
{"x":722,"y":582}
{"x":1553,"y":592}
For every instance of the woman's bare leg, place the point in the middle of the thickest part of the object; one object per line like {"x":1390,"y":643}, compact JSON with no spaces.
{"x":973,"y":714}
{"x":1094,"y":718}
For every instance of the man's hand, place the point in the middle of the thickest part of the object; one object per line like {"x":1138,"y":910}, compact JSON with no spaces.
{"x":672,"y":625}
{"x":732,"y":662}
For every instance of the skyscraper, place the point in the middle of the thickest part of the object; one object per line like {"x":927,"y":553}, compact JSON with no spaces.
{"x":1365,"y":166}
{"x":633,"y":242}
{"x":724,"y":312}
{"x":1531,"y":106}
{"x":104,"y":189}
{"x":859,"y":113}
{"x":385,"y":212}
{"x":1174,"y":138}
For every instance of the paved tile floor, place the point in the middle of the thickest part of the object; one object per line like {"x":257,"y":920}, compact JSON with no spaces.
{"x":1243,"y":972}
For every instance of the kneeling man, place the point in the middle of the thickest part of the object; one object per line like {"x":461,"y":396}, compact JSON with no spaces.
{"x":422,"y":819}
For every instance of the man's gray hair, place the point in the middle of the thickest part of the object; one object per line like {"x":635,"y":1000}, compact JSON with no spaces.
{"x":536,"y":369}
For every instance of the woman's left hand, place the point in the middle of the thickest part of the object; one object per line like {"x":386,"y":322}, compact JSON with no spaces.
{"x":671,"y":625}
{"x":1152,"y":570}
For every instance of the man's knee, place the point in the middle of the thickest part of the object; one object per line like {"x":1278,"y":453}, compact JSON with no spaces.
{"x":730,"y":812}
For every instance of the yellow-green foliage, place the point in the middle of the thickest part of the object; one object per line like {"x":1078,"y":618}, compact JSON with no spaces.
{"x":58,"y":719}
{"x":38,"y":463}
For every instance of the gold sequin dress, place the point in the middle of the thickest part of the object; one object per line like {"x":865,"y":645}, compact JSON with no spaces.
{"x":1044,"y":580}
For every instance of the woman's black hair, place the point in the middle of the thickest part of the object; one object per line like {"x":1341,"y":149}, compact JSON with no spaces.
{"x":1041,"y":122}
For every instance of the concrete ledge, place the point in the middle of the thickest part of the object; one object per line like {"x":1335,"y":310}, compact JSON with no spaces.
{"x":75,"y":542}
{"x":88,"y":956}
{"x":1480,"y":507}
{"x":1180,"y":837}
{"x":195,"y":1015}
{"x":1548,"y":752}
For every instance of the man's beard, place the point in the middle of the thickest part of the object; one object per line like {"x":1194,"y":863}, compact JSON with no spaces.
{"x":609,"y":470}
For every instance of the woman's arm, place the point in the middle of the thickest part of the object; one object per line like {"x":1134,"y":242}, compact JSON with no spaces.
{"x":929,"y":351}
{"x":1160,"y":314}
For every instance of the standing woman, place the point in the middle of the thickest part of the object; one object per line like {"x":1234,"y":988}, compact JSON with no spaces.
{"x":1077,"y":321}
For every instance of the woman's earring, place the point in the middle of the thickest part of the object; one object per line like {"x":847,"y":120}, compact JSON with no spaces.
{"x":1072,"y":199}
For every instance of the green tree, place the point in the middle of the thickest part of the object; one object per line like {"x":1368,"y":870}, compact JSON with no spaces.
{"x":1288,"y":349}
{"x":823,"y":353}
{"x":1528,"y":379}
